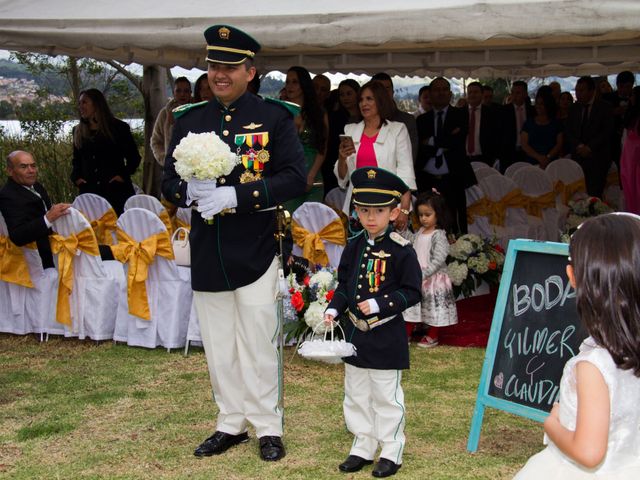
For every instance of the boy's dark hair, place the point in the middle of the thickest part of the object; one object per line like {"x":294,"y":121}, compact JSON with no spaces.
{"x":608,"y":285}
{"x":435,"y":201}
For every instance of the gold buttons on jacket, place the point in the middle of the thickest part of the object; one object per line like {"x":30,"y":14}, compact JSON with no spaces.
{"x":222,"y":180}
{"x":177,"y":195}
{"x":225,"y":132}
{"x":256,"y":206}
{"x":256,"y":193}
{"x":391,"y":304}
{"x":227,"y":118}
{"x":357,"y":297}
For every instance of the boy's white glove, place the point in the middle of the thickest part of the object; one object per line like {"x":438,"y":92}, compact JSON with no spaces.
{"x":198,"y":189}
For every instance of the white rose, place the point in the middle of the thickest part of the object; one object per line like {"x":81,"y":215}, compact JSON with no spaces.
{"x":314,"y":316}
{"x":457,"y":272}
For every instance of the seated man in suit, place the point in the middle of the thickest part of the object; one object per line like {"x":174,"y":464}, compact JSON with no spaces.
{"x":26,"y":207}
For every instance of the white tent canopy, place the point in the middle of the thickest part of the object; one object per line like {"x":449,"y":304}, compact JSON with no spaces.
{"x":451,"y":37}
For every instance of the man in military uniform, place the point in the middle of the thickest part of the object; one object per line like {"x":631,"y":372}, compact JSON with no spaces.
{"x":378,"y":278}
{"x":233,"y":266}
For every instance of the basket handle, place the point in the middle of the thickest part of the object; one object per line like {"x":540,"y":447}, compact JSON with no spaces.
{"x":333,"y":324}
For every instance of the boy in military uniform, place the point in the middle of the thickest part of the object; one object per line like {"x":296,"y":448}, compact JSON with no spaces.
{"x":233,"y":265}
{"x":379,"y":277}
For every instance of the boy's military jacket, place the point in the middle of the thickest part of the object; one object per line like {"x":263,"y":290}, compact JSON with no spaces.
{"x":387,"y":271}
{"x":238,"y":247}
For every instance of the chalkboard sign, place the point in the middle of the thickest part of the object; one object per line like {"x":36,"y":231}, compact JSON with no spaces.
{"x":535,"y":330}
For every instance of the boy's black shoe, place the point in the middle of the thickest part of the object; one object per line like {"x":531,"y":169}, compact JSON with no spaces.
{"x":353,"y":463}
{"x":385,"y":468}
{"x":218,"y":443}
{"x":271,"y":448}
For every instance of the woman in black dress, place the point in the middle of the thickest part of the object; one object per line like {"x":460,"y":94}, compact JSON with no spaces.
{"x":105,"y":155}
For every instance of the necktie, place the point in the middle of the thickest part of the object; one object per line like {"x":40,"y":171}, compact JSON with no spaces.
{"x":583,"y":123}
{"x":438,"y":134}
{"x":471,"y":137}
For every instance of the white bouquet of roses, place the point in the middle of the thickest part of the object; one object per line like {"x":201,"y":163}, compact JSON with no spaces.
{"x":203,"y":156}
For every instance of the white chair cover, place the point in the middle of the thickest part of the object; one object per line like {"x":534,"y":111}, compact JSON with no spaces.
{"x":485,"y":172}
{"x":496,"y":187}
{"x":314,"y":216}
{"x":28,"y":310}
{"x":479,"y":165}
{"x":92,"y":206}
{"x":567,"y":171}
{"x":612,"y":192}
{"x":149,"y":203}
{"x":168,"y":290}
{"x":96,"y":290}
{"x":480,"y":225}
{"x":534,"y":182}
{"x":193,"y":330}
{"x":514,"y":167}
{"x":335,"y":198}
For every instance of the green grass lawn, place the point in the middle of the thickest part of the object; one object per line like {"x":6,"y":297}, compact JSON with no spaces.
{"x":72,"y":409}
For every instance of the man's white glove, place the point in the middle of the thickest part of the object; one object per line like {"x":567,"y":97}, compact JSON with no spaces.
{"x":216,"y":201}
{"x":198,"y":189}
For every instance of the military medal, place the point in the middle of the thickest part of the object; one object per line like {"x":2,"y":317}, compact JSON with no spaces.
{"x":375,"y":273}
{"x":253,"y":160}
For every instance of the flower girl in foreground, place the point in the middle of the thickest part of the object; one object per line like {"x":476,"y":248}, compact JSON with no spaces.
{"x":594,"y":432}
{"x":438,"y":305}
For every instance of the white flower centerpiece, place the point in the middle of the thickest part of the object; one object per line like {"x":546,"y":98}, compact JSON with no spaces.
{"x":204,"y":156}
{"x":473,"y":260}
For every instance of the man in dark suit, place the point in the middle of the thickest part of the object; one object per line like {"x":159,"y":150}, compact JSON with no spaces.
{"x":233,"y":258}
{"x":483,"y":131}
{"x":588,"y":134}
{"x":512,"y":119}
{"x":26,"y":207}
{"x":442,"y":159}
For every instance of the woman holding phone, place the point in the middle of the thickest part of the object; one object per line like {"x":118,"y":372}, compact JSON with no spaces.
{"x":376,"y":141}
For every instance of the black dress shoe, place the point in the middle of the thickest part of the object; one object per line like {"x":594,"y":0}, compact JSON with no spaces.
{"x":353,"y":463}
{"x":385,"y":468}
{"x":271,"y":448}
{"x":218,"y":443}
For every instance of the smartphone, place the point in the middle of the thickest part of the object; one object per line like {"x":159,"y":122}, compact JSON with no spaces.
{"x":346,"y":138}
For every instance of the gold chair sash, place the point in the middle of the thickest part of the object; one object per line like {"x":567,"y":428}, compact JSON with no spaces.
{"x":311,"y":243}
{"x":66,"y":249}
{"x":13,"y":265}
{"x":535,"y":205}
{"x":569,"y":190}
{"x":498,"y":210}
{"x":139,"y":255}
{"x":104,"y":225}
{"x":164,"y":216}
{"x":181,"y":224}
{"x":479,"y":208}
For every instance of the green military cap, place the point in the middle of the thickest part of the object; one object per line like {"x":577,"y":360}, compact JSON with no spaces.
{"x":230,"y":45}
{"x":376,"y":187}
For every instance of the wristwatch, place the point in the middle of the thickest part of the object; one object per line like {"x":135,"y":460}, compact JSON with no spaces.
{"x":405,"y":211}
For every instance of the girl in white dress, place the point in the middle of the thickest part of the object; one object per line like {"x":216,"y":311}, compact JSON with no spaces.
{"x":438,"y":305}
{"x":594,"y":430}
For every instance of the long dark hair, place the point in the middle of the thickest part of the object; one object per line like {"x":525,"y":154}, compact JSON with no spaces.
{"x":196,"y":88}
{"x":608,"y":284}
{"x":103,"y":116}
{"x":435,"y":201}
{"x":312,"y":113}
{"x":550,"y":105}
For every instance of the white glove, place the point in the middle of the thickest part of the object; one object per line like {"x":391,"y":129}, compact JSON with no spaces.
{"x":216,"y":201}
{"x":198,"y":189}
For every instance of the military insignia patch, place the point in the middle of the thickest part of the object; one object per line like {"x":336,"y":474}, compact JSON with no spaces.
{"x":252,"y":126}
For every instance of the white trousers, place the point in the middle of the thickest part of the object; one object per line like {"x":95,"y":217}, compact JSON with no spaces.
{"x":239,"y":331}
{"x":374,"y":412}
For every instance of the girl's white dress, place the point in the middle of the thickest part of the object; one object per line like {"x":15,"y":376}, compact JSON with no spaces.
{"x":438,"y":305}
{"x":622,"y":460}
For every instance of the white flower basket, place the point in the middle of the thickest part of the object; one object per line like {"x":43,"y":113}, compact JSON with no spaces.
{"x":325,"y":348}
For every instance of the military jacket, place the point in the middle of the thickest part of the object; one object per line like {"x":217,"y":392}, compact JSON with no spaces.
{"x":239,"y":247}
{"x":387,"y":271}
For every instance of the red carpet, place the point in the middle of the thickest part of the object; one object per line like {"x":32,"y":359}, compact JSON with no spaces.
{"x":474,"y":322}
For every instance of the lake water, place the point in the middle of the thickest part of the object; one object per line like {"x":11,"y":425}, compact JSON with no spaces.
{"x":12,"y":127}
